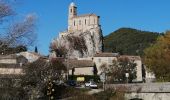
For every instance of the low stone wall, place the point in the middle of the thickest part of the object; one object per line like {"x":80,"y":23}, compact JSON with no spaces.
{"x":143,"y":87}
{"x":147,"y":96}
{"x":144,"y":91}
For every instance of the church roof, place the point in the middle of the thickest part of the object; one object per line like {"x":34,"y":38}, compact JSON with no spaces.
{"x":85,"y":15}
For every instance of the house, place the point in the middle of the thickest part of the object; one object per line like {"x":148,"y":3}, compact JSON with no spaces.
{"x":11,"y":70}
{"x":80,"y":67}
{"x":137,"y":60}
{"x":11,"y":64}
{"x":104,"y":58}
{"x":30,"y":56}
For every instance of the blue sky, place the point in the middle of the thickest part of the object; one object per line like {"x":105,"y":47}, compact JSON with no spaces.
{"x":149,"y":15}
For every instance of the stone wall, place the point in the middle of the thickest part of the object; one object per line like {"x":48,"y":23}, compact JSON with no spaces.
{"x":144,"y":91}
{"x":147,"y":96}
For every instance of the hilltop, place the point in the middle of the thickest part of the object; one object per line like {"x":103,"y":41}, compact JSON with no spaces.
{"x":129,"y":41}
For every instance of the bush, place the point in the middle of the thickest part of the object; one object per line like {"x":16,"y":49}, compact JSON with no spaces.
{"x":110,"y":94}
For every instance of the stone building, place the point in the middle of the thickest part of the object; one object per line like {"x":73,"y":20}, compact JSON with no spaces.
{"x":80,"y":23}
{"x":81,"y":67}
{"x":85,"y":27}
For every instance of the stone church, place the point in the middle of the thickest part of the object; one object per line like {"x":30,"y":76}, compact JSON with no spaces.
{"x":85,"y":27}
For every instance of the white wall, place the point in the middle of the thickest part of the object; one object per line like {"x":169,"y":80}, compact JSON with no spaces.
{"x":82,"y":71}
{"x":8,"y":61}
{"x":139,"y":70}
{"x":83,"y":23}
{"x":16,"y":71}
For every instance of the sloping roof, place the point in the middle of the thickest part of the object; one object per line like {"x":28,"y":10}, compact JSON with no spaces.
{"x":84,"y":15}
{"x":132,"y":57}
{"x":105,"y":54}
{"x":79,"y":63}
{"x":10,"y":66}
{"x":11,"y":56}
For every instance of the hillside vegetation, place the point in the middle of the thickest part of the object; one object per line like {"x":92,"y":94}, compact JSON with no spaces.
{"x":129,"y":41}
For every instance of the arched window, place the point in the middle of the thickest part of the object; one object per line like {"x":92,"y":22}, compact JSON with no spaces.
{"x":79,"y":22}
{"x":71,"y":10}
{"x":85,"y":21}
{"x":74,"y":23}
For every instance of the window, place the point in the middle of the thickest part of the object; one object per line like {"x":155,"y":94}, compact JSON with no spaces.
{"x":109,"y":60}
{"x":71,"y":10}
{"x":99,"y":60}
{"x":79,"y":22}
{"x":94,"y":21}
{"x":74,"y":23}
{"x":85,"y":21}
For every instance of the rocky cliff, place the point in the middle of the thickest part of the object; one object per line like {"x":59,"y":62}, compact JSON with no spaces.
{"x":78,"y":44}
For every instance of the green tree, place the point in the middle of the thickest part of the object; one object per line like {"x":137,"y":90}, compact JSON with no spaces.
{"x":116,"y":72}
{"x":129,"y":41}
{"x":157,"y":58}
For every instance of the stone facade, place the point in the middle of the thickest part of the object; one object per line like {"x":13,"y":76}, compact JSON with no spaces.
{"x":11,"y":65}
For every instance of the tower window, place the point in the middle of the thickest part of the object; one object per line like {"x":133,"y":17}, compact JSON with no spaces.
{"x":74,"y":23}
{"x":85,"y":21}
{"x":71,"y":10}
{"x":79,"y":22}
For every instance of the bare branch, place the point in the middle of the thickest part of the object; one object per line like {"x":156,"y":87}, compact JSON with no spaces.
{"x":5,"y":10}
{"x":22,"y":33}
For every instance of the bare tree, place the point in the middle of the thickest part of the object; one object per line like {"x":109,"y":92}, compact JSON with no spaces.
{"x":5,"y":11}
{"x":17,"y":33}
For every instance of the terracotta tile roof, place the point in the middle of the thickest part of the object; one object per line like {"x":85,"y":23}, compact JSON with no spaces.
{"x":79,"y":63}
{"x":105,"y":54}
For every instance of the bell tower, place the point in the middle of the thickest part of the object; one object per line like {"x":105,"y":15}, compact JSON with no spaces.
{"x":72,"y":10}
{"x":71,"y":13}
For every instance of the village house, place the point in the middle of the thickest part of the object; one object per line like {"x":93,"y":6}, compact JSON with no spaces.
{"x":81,"y":67}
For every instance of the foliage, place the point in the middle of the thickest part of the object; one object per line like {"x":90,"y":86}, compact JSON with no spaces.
{"x":157,"y":58}
{"x":95,"y":70}
{"x":38,"y":74}
{"x":78,"y":43}
{"x":116,"y":72}
{"x":36,"y":50}
{"x":6,"y":50}
{"x":129,"y":41}
{"x":79,"y":94}
{"x":110,"y":94}
{"x":60,"y":51}
{"x":75,"y":93}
